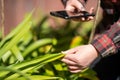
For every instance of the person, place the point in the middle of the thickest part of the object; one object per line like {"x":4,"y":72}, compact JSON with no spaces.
{"x":103,"y":53}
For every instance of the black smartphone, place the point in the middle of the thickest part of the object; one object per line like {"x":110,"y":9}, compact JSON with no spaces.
{"x":66,"y":15}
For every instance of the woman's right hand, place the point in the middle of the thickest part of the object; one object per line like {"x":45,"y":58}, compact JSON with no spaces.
{"x":74,"y":7}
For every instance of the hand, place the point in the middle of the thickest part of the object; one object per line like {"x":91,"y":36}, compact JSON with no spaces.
{"x":75,"y":7}
{"x":80,"y":57}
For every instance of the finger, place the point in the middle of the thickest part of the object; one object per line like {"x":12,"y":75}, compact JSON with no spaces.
{"x":80,"y":19}
{"x":75,"y":71}
{"x":80,"y":6}
{"x":91,"y":10}
{"x":72,"y":57}
{"x":74,"y":6}
{"x":68,"y":62}
{"x":71,"y":67}
{"x":83,"y":19}
{"x":91,"y":18}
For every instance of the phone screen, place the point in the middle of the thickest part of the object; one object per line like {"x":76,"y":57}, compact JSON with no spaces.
{"x":67,"y":15}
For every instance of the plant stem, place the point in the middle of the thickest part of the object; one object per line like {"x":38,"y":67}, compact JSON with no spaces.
{"x":95,"y":22}
{"x":2,"y":17}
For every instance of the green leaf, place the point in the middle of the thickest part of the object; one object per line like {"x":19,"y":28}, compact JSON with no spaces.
{"x":59,"y":68}
{"x":15,"y":40}
{"x":40,"y":77}
{"x":36,"y":45}
{"x":16,"y":52}
{"x":49,"y":70}
{"x":17,"y":30}
{"x":89,"y":74}
{"x":15,"y":71}
{"x":28,"y":65}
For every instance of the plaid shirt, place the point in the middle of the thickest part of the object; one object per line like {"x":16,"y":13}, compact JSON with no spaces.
{"x":108,"y":40}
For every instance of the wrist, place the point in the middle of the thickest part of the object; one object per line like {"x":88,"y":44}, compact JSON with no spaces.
{"x":94,"y":52}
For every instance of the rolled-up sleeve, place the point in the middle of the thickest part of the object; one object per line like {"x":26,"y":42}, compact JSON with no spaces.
{"x":108,"y":43}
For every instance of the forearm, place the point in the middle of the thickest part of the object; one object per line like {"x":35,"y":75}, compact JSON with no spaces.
{"x":108,"y":43}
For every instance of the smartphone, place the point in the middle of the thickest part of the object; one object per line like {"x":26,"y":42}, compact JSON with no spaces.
{"x":67,"y":15}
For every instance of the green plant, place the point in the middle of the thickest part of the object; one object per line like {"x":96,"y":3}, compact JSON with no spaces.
{"x":33,"y":52}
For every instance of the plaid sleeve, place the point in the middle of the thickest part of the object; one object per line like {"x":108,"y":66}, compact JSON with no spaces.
{"x":109,"y":42}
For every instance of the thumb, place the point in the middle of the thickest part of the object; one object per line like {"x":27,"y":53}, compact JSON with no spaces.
{"x":70,"y":8}
{"x":70,"y":51}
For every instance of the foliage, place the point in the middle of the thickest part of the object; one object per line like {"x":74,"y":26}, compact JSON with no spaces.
{"x":33,"y":52}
